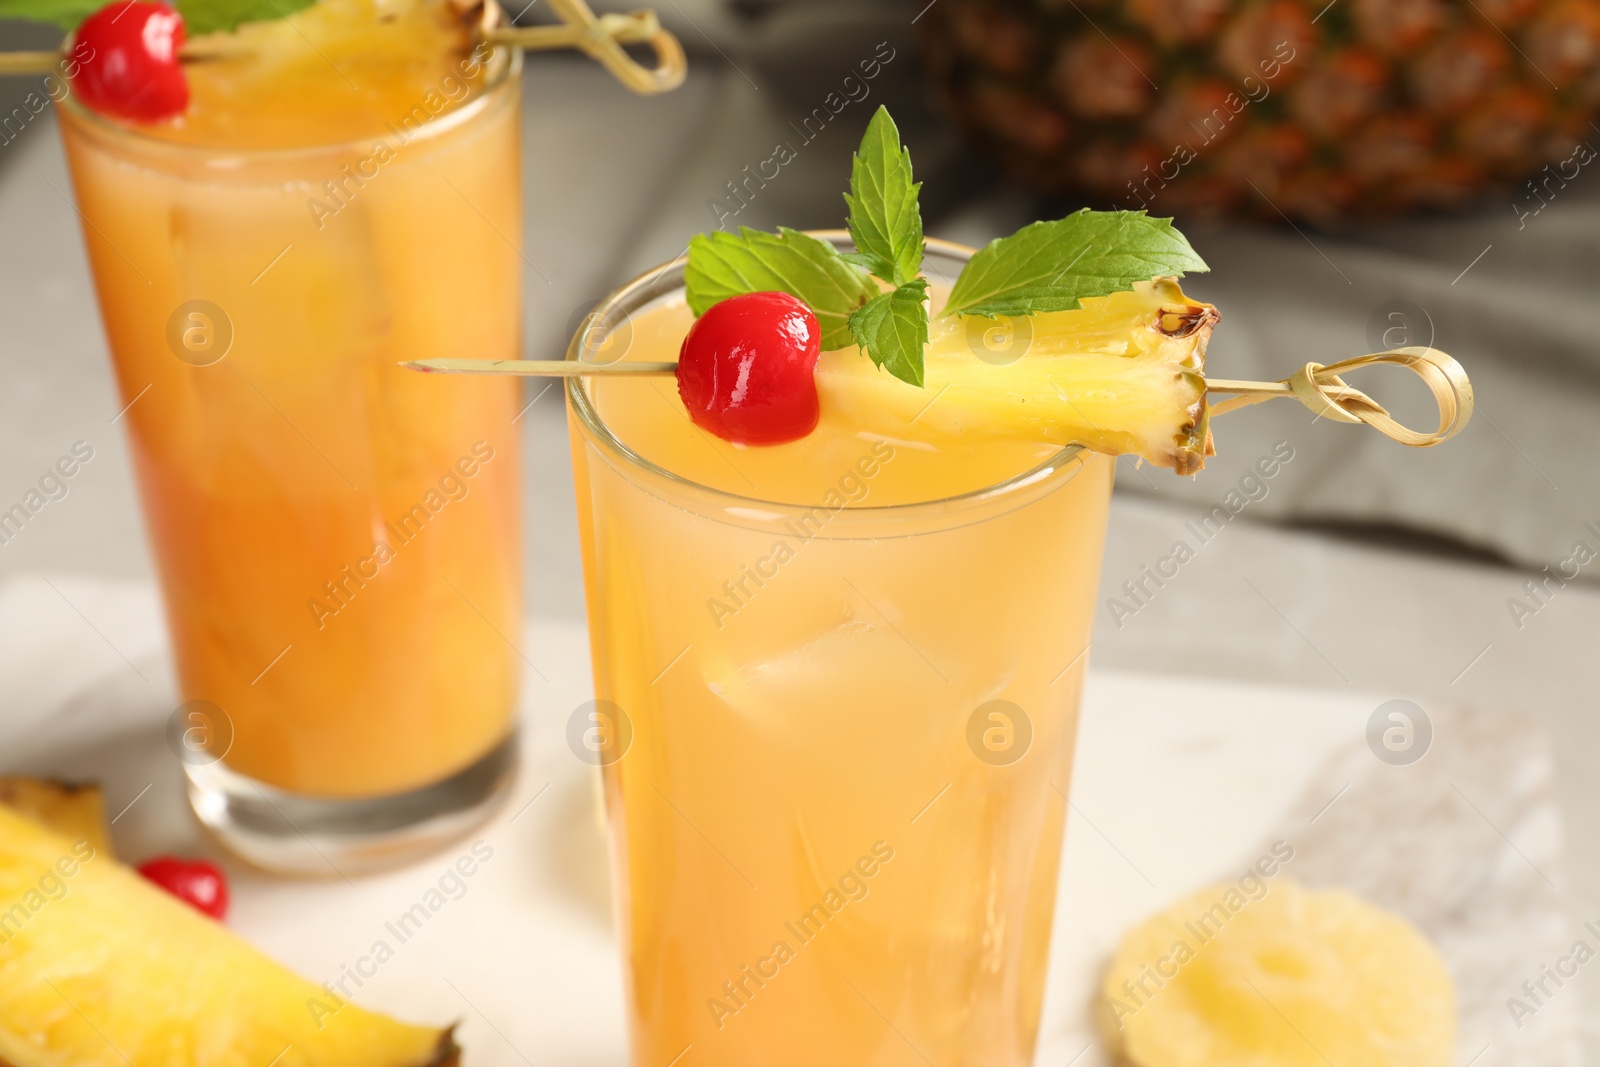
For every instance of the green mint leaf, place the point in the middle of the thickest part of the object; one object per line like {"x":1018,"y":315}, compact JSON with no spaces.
{"x":885,"y":218}
{"x":892,"y":328}
{"x":211,"y":16}
{"x":1050,"y":266}
{"x":722,"y":264}
{"x":63,"y":13}
{"x":199,"y":16}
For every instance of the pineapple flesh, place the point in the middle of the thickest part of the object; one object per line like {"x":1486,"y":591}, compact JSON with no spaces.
{"x":75,"y":810}
{"x":1122,"y":374}
{"x":1292,"y":979}
{"x":99,"y":968}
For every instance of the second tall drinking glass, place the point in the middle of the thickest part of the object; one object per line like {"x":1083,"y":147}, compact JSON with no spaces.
{"x":836,"y":737}
{"x":337,"y":537}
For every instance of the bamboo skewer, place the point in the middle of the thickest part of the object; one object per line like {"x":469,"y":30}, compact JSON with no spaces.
{"x":541,"y":368}
{"x":600,"y":37}
{"x":29,"y":62}
{"x":1320,"y":388}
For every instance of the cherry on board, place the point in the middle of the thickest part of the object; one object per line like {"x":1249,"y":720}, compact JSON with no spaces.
{"x":745,"y":371}
{"x":127,"y":56}
{"x":196,"y":882}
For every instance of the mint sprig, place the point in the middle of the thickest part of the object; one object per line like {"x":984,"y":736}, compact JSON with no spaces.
{"x":722,"y":264}
{"x":1046,"y":266}
{"x":892,"y":329}
{"x":1051,"y":266}
{"x":199,"y":16}
{"x":886,"y":224}
{"x":885,"y":218}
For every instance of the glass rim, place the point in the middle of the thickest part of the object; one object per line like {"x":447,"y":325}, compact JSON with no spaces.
{"x":498,"y":75}
{"x":667,"y":278}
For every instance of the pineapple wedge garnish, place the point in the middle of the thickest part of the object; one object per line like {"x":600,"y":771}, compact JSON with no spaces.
{"x":75,"y":810}
{"x":99,"y":968}
{"x":1122,"y":374}
{"x":1292,"y":978}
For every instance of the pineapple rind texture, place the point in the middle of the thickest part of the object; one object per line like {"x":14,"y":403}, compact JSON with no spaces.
{"x":1274,"y":108}
{"x":1122,"y":374}
{"x":99,"y":968}
{"x":1294,"y":978}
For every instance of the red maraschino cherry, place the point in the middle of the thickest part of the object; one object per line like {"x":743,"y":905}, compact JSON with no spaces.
{"x":130,"y":65}
{"x":746,"y":369}
{"x":194,"y":882}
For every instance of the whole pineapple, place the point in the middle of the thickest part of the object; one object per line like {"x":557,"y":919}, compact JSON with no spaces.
{"x":1298,"y":108}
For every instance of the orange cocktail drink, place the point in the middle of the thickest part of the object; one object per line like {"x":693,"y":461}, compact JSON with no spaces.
{"x":837,"y":687}
{"x":337,"y":539}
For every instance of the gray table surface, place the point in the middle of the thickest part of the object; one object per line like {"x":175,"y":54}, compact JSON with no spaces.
{"x":615,"y":182}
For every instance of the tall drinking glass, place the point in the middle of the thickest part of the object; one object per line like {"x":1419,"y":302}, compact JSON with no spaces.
{"x":337,"y":538}
{"x":836,"y":741}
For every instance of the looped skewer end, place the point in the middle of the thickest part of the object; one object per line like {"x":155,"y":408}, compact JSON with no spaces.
{"x":1322,"y":389}
{"x":602,"y":39}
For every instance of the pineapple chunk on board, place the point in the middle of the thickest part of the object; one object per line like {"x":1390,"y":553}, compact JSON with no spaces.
{"x":99,"y":968}
{"x":75,"y":810}
{"x":1292,"y":978}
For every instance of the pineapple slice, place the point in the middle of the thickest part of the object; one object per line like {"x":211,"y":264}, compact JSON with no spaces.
{"x":74,"y":810}
{"x":364,"y":71}
{"x":1122,"y":374}
{"x":1292,"y":979}
{"x":99,"y":968}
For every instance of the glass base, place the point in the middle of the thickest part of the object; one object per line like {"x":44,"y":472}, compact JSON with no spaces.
{"x":328,"y":837}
